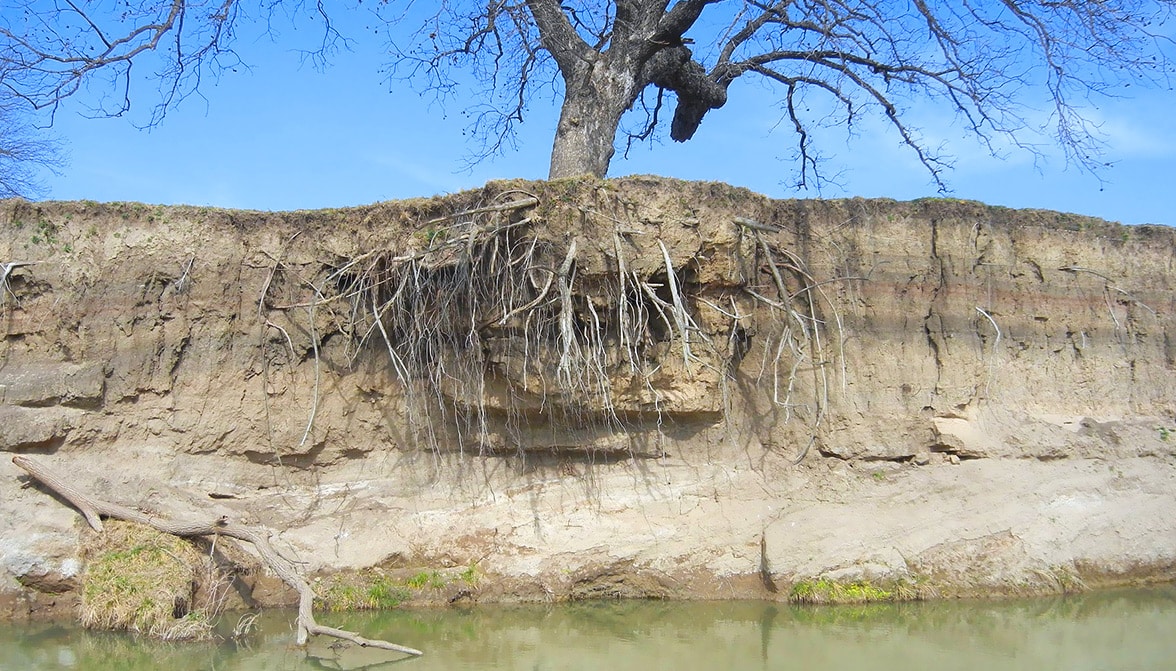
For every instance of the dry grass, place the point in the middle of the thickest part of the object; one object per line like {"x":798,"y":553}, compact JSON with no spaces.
{"x":143,"y":581}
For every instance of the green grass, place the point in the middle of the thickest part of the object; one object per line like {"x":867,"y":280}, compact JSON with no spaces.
{"x":826,"y":591}
{"x":425,"y":579}
{"x":361,"y":591}
{"x":470,"y":575}
{"x":373,"y":589}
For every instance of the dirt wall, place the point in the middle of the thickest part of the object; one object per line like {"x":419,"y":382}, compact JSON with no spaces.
{"x":631,"y":387}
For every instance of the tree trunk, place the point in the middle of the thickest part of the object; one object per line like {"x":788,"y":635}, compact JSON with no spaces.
{"x":594,"y":101}
{"x":584,"y":138}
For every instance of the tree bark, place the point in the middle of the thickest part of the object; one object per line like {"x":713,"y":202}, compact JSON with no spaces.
{"x":597,"y":93}
{"x":674,"y":68}
{"x":584,"y":137}
{"x":93,"y":510}
{"x":601,"y":87}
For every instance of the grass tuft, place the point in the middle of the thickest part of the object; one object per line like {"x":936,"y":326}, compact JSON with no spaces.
{"x":375,"y":589}
{"x":361,"y":591}
{"x":143,"y":581}
{"x":827,"y":591}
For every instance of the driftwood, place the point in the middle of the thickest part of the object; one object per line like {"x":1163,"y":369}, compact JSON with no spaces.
{"x":94,"y":510}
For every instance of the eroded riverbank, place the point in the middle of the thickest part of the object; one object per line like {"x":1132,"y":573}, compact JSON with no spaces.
{"x":577,"y":389}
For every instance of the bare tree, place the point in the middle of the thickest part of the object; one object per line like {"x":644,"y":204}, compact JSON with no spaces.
{"x":25,"y":151}
{"x":832,"y":61}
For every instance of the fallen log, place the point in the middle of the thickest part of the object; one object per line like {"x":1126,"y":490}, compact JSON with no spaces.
{"x":94,"y":510}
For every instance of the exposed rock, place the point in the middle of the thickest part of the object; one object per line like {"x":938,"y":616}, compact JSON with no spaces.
{"x":36,"y":429}
{"x":50,"y":582}
{"x":50,"y":383}
{"x":619,"y":581}
{"x":961,"y":438}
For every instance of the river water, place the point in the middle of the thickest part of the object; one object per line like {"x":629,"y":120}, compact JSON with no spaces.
{"x":1113,"y":630}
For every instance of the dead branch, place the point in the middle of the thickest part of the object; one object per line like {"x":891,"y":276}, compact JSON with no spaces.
{"x":755,"y":225}
{"x":94,"y":510}
{"x":503,"y":207}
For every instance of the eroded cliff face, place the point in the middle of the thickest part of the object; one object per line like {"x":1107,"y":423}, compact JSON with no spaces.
{"x":584,"y":388}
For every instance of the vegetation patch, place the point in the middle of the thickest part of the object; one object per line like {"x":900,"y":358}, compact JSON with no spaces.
{"x":360,"y":591}
{"x":1062,"y":579}
{"x":143,"y":581}
{"x":828,"y":591}
{"x":374,"y":589}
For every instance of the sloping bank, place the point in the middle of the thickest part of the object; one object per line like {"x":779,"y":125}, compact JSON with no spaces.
{"x":637,"y":387}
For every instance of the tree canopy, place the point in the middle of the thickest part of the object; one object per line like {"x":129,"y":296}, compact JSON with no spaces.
{"x":1006,"y":69}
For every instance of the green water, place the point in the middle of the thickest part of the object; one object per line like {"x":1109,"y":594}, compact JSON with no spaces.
{"x":1116,"y":630}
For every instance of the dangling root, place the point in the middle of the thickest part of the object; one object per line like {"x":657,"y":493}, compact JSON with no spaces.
{"x":491,"y":301}
{"x":5,"y":271}
{"x":810,"y":346}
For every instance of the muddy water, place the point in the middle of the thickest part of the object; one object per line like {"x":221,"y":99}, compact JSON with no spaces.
{"x":1116,"y":630}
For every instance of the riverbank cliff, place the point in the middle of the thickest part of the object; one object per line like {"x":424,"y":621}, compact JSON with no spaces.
{"x":577,"y":389}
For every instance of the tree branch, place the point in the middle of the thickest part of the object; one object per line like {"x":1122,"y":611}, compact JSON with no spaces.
{"x":681,"y":17}
{"x":558,"y":36}
{"x":94,"y":509}
{"x":674,"y":68}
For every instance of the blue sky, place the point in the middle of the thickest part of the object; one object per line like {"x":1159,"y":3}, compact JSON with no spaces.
{"x":283,"y":135}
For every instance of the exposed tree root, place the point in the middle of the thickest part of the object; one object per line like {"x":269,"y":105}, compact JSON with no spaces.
{"x":5,"y":271}
{"x":491,"y":321}
{"x":1108,"y":289}
{"x":94,"y":510}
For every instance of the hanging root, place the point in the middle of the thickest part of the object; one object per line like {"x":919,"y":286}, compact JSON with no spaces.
{"x":1110,"y":289}
{"x":798,"y":335}
{"x":498,"y":324}
{"x":486,"y":289}
{"x":5,"y":272}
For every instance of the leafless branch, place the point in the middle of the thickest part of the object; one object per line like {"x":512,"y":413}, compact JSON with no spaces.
{"x":835,"y":62}
{"x":94,"y":510}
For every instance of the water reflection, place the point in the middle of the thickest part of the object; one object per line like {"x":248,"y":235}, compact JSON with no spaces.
{"x":1121,"y":630}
